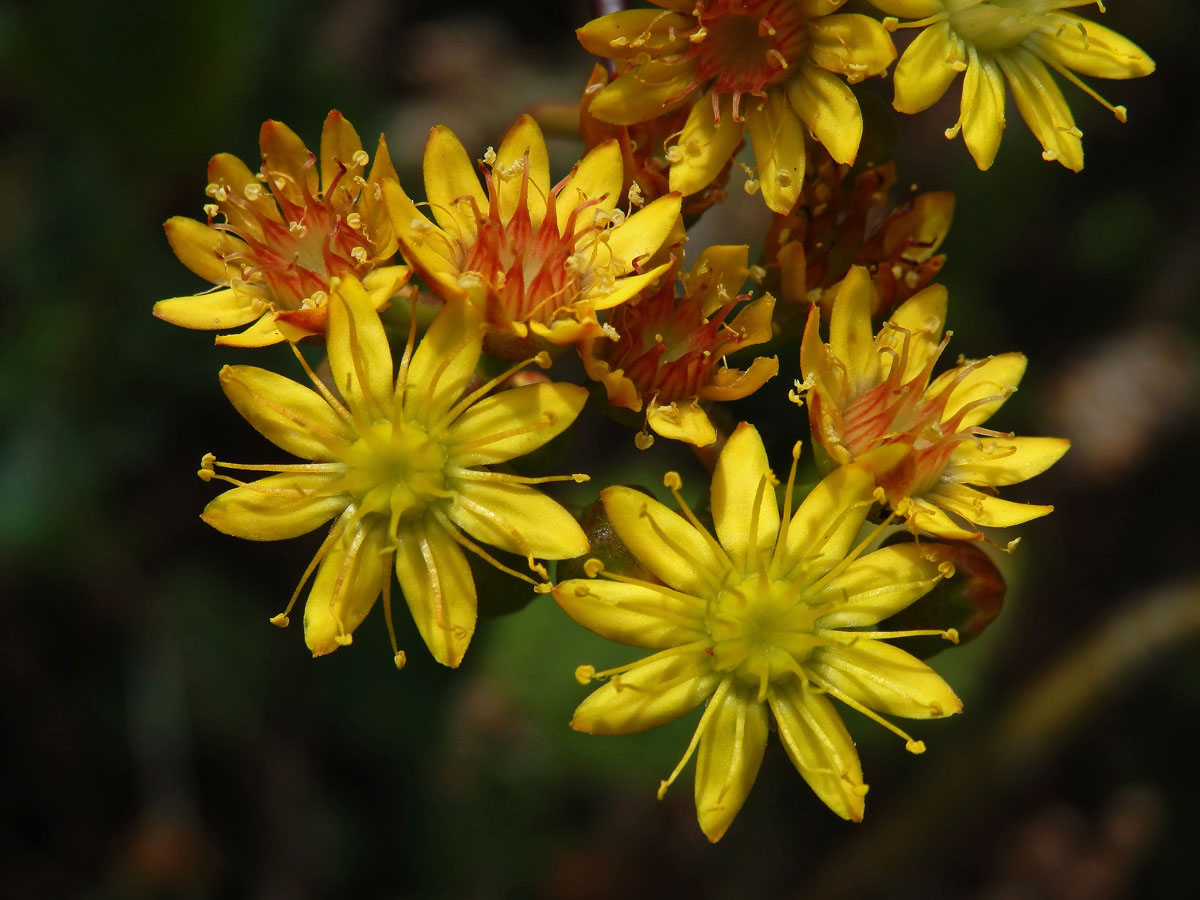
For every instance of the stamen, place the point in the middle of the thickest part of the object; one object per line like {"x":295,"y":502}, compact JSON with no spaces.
{"x":672,"y":482}
{"x":464,"y":541}
{"x":281,"y":620}
{"x":911,"y":745}
{"x":714,"y":703}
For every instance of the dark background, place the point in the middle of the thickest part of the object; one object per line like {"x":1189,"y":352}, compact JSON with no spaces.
{"x":165,"y":741}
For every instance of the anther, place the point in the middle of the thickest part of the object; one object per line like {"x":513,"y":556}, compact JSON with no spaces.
{"x":212,"y":210}
{"x":593,"y":567}
{"x":360,"y":158}
{"x":280,"y":621}
{"x":207,"y":467}
{"x":585,"y":674}
{"x":672,"y":481}
{"x":916,"y":747}
{"x":401,"y":657}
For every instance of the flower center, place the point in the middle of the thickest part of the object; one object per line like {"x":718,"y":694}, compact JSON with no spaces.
{"x":531,"y":271}
{"x":988,"y":26}
{"x":299,"y":242}
{"x":396,"y":470}
{"x":762,"y":630}
{"x":748,"y":45}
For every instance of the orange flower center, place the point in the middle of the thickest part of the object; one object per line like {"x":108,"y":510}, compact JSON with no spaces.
{"x":748,"y":45}
{"x":666,"y":347}
{"x":298,"y":244}
{"x":531,"y":272}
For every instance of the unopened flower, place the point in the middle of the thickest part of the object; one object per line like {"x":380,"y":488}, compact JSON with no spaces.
{"x":283,"y":234}
{"x":842,"y":221}
{"x":872,"y":399}
{"x":769,"y":618}
{"x":537,"y":262}
{"x":1015,"y":41}
{"x":668,"y":352}
{"x":767,"y":68}
{"x":400,"y":463}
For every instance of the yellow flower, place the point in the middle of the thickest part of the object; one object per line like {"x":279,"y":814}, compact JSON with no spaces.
{"x":786,"y":54}
{"x":668,"y":352}
{"x":1013,"y":41}
{"x":771,"y":615}
{"x":286,"y":233}
{"x":536,"y":261}
{"x":400,"y":463}
{"x":871,"y":400}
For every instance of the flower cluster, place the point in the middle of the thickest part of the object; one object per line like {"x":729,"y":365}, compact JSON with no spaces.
{"x":419,"y":441}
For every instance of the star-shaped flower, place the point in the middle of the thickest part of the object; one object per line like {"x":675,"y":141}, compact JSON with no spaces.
{"x":769,"y":618}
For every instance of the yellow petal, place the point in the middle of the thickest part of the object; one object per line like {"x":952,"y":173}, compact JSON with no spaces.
{"x":664,"y":542}
{"x":235,"y":176}
{"x":929,"y":519}
{"x":998,"y":462}
{"x":287,"y":414}
{"x":339,"y":144}
{"x":1043,"y":107}
{"x":984,"y":509}
{"x":631,"y":32}
{"x":349,"y":581}
{"x":878,"y":585}
{"x":626,"y":288}
{"x":982,"y":110}
{"x":262,"y":333}
{"x":730,"y":754}
{"x":359,"y":356}
{"x":634,"y":614}
{"x":824,"y":527}
{"x":850,"y":44}
{"x":777,"y":139}
{"x":443,"y":363}
{"x":524,"y":138}
{"x":928,"y":67}
{"x":203,"y":249}
{"x":830,"y":110}
{"x":717,"y":275}
{"x":641,"y":235}
{"x":851,"y":337}
{"x":820,"y":747}
{"x":220,"y":309}
{"x":704,"y":145}
{"x":1091,"y":49}
{"x":745,"y":511}
{"x":681,"y":420}
{"x":652,"y":693}
{"x":439,"y":589}
{"x":598,"y":175}
{"x":516,"y":518}
{"x":277,"y":507}
{"x":918,"y":323}
{"x":512,"y":423}
{"x":426,"y":246}
{"x":993,"y":382}
{"x":451,"y":186}
{"x":644,"y":92}
{"x":884,"y":678}
{"x":288,"y":163}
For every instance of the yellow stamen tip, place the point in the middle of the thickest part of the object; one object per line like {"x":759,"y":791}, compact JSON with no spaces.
{"x":344,"y":640}
{"x":280,"y":621}
{"x":917,"y":747}
{"x":672,"y":481}
{"x":585,"y":674}
{"x":543,"y":360}
{"x":400,"y":659}
{"x":544,"y":587}
{"x":951,"y":634}
{"x":643,"y":440}
{"x":593,"y":567}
